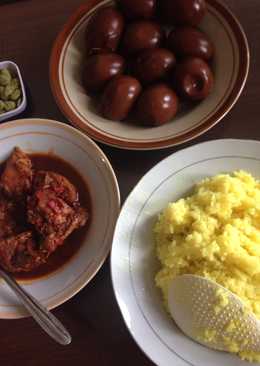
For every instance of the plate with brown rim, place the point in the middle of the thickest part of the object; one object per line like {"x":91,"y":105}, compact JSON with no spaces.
{"x":230,"y":67}
{"x":78,"y":158}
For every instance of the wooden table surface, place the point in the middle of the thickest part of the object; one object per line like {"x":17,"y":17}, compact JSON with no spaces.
{"x":100,"y":338}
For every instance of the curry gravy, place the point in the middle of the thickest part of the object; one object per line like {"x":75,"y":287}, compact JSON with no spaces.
{"x":73,"y":243}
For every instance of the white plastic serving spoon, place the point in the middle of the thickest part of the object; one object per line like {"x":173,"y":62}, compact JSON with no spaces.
{"x":200,"y":306}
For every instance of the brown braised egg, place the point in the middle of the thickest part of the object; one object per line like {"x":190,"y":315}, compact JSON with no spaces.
{"x":193,"y":79}
{"x":119,"y":97}
{"x":153,"y":64}
{"x":104,"y":30}
{"x":101,"y":68}
{"x":141,"y":35}
{"x":189,"y":41}
{"x":135,"y":9}
{"x":183,"y":12}
{"x":157,"y":105}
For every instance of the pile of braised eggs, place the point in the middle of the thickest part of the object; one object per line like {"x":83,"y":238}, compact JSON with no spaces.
{"x":148,"y":57}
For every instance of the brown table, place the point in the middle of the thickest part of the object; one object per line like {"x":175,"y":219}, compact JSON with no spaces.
{"x":27,"y":31}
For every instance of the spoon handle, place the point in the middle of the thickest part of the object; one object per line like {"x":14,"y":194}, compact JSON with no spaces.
{"x":43,"y":317}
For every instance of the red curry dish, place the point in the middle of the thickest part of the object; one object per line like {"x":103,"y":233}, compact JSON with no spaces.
{"x":50,"y":204}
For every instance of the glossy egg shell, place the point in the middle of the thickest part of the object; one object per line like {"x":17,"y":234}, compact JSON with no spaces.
{"x":104,"y":30}
{"x":135,"y":9}
{"x":100,"y":68}
{"x":141,"y":35}
{"x":183,"y":12}
{"x":153,"y":64}
{"x":157,"y":105}
{"x":193,"y":79}
{"x":190,"y":42}
{"x":119,"y":97}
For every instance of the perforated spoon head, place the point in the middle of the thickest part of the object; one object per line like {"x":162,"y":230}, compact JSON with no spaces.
{"x":212,"y":315}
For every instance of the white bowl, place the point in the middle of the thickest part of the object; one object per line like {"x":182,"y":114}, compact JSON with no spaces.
{"x":231,"y":65}
{"x":38,"y":135}
{"x":15,"y":70}
{"x":133,"y":261}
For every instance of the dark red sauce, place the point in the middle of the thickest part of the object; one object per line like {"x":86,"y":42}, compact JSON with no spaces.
{"x":73,"y":243}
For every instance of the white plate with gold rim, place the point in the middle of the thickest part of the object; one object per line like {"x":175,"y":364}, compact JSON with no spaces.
{"x":43,"y":136}
{"x":133,"y":262}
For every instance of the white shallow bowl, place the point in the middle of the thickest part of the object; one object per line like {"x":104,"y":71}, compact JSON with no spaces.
{"x":16,"y":71}
{"x":231,"y":65}
{"x":133,"y":262}
{"x":38,"y":135}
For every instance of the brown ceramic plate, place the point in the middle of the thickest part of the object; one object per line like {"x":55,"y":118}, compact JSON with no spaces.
{"x":231,"y":66}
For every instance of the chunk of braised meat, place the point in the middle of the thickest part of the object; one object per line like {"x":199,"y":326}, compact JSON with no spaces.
{"x":58,"y":184}
{"x":8,"y":226}
{"x":47,"y":212}
{"x":21,"y":253}
{"x":77,"y":220}
{"x":16,"y":179}
{"x":53,"y":218}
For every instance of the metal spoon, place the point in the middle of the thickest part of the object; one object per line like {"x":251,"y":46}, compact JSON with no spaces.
{"x":49,"y":323}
